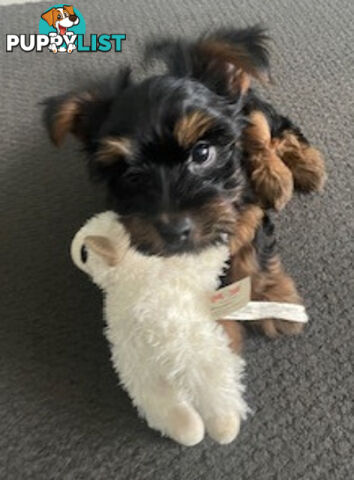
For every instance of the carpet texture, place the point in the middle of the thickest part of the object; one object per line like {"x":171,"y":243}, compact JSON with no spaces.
{"x":63,"y":416}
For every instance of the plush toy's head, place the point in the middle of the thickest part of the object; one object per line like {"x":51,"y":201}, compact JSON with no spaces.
{"x":100,"y":245}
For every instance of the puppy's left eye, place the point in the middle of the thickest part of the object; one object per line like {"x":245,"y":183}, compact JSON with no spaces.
{"x":203,"y":153}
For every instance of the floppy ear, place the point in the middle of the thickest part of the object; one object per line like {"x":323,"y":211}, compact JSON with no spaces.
{"x":224,"y":61}
{"x":69,"y":9}
{"x":103,"y":247}
{"x":83,"y":114}
{"x":48,"y":17}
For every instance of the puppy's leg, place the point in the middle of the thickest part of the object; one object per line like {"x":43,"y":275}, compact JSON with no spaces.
{"x":271,"y":178}
{"x":303,"y":160}
{"x":247,"y":224}
{"x":274,"y":285}
{"x":289,"y":144}
{"x":258,"y":260}
{"x":166,"y":412}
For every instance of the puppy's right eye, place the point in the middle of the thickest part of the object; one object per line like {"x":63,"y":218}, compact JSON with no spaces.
{"x":200,"y":153}
{"x":83,"y":254}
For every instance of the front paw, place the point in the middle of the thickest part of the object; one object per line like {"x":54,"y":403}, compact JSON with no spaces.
{"x":273,"y":327}
{"x":273,"y":182}
{"x":305,"y":162}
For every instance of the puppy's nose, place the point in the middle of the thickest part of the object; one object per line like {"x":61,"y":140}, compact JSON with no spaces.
{"x":175,"y":231}
{"x":72,"y":18}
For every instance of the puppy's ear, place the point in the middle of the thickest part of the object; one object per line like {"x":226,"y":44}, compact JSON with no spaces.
{"x":224,"y":61}
{"x":48,"y":17}
{"x":84,"y":113}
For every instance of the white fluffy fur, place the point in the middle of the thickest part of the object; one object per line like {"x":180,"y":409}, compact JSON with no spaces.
{"x":172,"y":358}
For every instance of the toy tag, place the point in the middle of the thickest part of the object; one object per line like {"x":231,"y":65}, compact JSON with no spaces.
{"x":257,"y":310}
{"x":231,"y":298}
{"x":233,"y":303}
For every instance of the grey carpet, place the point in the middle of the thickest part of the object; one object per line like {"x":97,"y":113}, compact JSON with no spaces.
{"x":63,"y":416}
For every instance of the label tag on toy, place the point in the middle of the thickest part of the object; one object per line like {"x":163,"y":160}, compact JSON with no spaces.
{"x":231,"y":298}
{"x":257,"y":310}
{"x":233,"y":303}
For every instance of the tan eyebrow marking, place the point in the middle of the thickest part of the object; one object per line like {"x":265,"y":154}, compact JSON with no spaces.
{"x":113,"y":148}
{"x":191,"y":127}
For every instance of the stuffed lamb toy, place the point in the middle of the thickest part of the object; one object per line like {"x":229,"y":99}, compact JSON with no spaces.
{"x":172,"y":357}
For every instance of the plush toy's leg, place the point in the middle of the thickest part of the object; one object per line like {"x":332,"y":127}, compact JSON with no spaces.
{"x":165,"y":412}
{"x":271,"y":178}
{"x":224,"y":428}
{"x":184,"y":425}
{"x":219,"y":397}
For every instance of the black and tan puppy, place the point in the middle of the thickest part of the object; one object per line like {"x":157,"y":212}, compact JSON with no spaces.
{"x":194,"y":154}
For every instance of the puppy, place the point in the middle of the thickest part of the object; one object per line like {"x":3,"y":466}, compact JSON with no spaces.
{"x":195,"y":154}
{"x":61,"y":19}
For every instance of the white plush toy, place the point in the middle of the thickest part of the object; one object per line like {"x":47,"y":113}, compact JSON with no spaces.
{"x":171,"y":356}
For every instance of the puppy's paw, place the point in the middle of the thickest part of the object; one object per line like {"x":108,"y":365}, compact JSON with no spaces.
{"x":224,"y":428}
{"x":305,"y":162}
{"x":185,"y":426}
{"x":273,"y":182}
{"x":273,"y":327}
{"x":311,"y":175}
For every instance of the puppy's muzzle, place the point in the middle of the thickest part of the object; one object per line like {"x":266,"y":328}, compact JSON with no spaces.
{"x":176,"y":232}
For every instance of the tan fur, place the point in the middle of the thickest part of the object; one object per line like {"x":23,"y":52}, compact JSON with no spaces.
{"x":234,"y":61}
{"x":112,"y":149}
{"x":304,"y":161}
{"x":273,"y":285}
{"x":191,"y":127}
{"x":245,"y":228}
{"x":271,"y":178}
{"x":66,"y":118}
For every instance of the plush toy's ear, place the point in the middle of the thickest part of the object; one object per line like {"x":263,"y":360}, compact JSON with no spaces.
{"x":103,"y":247}
{"x":224,"y":61}
{"x":83,"y":114}
{"x":48,"y":17}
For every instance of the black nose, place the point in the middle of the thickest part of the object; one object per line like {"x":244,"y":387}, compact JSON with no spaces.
{"x":72,"y":18}
{"x":175,"y":231}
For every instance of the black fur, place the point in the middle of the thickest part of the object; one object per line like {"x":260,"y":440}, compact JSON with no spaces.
{"x":159,"y":176}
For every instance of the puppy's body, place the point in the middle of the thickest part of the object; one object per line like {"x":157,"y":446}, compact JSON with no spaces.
{"x":195,"y":154}
{"x":171,"y":356}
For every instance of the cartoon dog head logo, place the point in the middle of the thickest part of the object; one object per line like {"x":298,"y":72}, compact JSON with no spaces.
{"x":62,"y":19}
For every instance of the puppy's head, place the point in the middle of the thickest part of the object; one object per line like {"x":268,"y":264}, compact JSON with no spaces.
{"x":167,"y":147}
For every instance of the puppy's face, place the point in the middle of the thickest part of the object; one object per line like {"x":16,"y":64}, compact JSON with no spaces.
{"x":167,"y":148}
